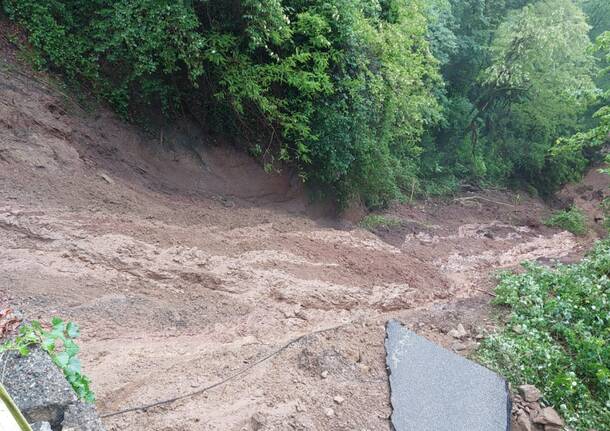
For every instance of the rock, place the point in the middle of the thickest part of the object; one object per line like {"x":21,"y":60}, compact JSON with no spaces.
{"x":258,"y":421}
{"x":38,"y":387}
{"x":41,"y":426}
{"x":364,"y":368}
{"x":548,"y":416}
{"x":534,"y":409}
{"x":530,"y":393}
{"x":329,"y":412}
{"x":106,"y":178}
{"x":458,"y":347}
{"x":459,"y":333}
{"x":522,"y":423}
{"x":518,"y":329}
{"x":339,"y":399}
{"x":324,"y":374}
{"x":553,"y":428}
{"x":81,"y":417}
{"x":301,"y":314}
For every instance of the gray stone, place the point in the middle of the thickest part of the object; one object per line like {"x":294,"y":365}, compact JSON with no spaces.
{"x":435,"y":389}
{"x":460,"y":332}
{"x":523,"y":423}
{"x":548,"y":416}
{"x":38,"y":387}
{"x":81,"y":417}
{"x":530,"y":393}
{"x":41,"y":426}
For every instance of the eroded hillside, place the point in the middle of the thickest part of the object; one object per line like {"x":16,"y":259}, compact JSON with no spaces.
{"x":186,"y":264}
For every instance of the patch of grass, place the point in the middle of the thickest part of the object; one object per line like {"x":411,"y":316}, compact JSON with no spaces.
{"x":557,"y":336}
{"x":376,"y":221}
{"x":573,"y":220}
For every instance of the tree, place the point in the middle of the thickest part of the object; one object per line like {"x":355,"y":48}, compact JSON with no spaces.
{"x":539,"y":85}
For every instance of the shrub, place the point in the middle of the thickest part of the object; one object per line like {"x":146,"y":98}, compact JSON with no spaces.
{"x":573,"y":220}
{"x":343,"y":90}
{"x":557,"y":336}
{"x":376,"y":221}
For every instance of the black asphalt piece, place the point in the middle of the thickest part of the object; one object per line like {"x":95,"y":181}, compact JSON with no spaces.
{"x":433,"y":389}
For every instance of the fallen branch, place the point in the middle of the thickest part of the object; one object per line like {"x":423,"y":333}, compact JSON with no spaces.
{"x":470,"y":198}
{"x":228,"y":379}
{"x":485,"y":291}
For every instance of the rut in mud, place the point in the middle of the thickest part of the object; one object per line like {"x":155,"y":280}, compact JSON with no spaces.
{"x":185,"y":263}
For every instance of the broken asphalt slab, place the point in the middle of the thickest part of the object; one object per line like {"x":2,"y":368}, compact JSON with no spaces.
{"x":433,"y":389}
{"x":43,"y":394}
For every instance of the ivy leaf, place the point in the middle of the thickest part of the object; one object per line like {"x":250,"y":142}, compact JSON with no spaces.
{"x":48,"y":344}
{"x":36,"y":326}
{"x":62,"y":359}
{"x":58,"y":327}
{"x":72,"y":330}
{"x":71,"y":348}
{"x":73,"y":365}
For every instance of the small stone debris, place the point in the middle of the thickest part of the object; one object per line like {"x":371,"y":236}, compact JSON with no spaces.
{"x":339,"y":399}
{"x":530,"y":393}
{"x":459,"y":332}
{"x":523,"y":423}
{"x":329,"y":412}
{"x":548,"y":416}
{"x":41,"y":426}
{"x":529,"y":415}
{"x":518,"y":329}
{"x":258,"y":421}
{"x":324,"y":374}
{"x":458,"y":347}
{"x":106,"y":178}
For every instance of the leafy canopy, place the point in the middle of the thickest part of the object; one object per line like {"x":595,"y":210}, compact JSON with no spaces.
{"x":364,"y":99}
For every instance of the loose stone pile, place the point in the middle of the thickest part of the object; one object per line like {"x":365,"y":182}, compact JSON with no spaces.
{"x":530,"y":415}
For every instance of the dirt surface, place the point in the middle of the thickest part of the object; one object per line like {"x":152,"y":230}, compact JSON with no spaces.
{"x":185,"y":264}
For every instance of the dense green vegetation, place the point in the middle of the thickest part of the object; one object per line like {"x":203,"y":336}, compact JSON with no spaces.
{"x":368,"y":99}
{"x":377,"y":221}
{"x":573,"y":220}
{"x":557,"y":336}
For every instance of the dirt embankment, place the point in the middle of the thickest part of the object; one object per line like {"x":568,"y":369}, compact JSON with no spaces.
{"x":185,"y":264}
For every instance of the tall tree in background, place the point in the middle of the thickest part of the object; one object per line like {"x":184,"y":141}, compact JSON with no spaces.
{"x":538,"y":86}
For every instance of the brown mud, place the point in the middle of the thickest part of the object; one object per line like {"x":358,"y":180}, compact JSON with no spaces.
{"x":185,"y":263}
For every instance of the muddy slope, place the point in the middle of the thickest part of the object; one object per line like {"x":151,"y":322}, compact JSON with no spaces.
{"x":185,"y":264}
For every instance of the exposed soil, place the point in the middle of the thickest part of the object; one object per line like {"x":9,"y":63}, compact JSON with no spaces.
{"x":185,"y":263}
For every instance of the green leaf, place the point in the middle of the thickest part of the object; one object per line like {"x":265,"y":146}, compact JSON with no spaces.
{"x":48,"y":344}
{"x":72,"y":330}
{"x":71,"y":348}
{"x":73,"y":365}
{"x":61,"y":359}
